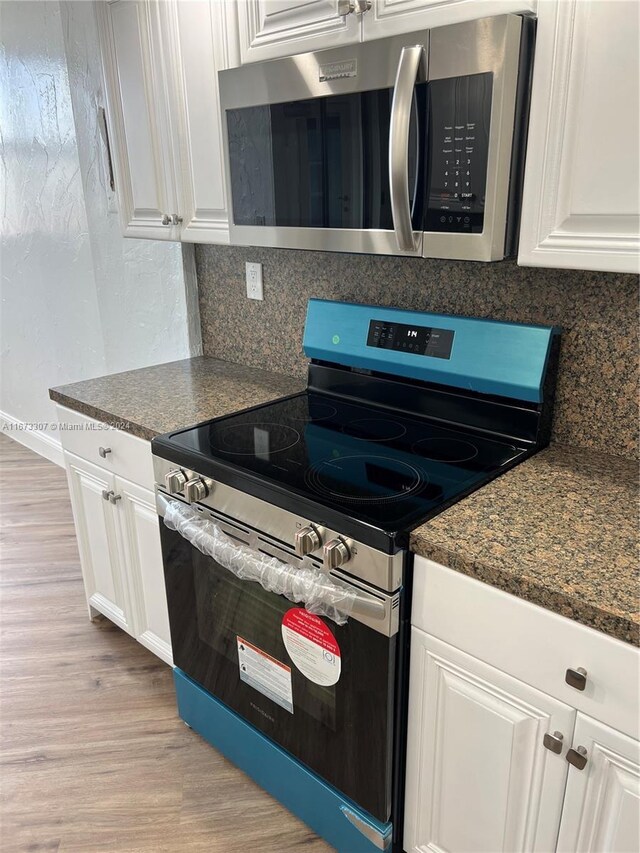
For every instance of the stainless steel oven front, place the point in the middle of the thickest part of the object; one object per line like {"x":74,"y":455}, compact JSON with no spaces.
{"x":326,"y":692}
{"x":411,"y":145}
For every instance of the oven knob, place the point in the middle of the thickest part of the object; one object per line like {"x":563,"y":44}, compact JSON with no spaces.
{"x":195,"y":490}
{"x":336,"y":553}
{"x":307,"y":540}
{"x":175,"y":480}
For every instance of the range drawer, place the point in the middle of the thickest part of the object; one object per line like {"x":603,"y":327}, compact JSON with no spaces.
{"x":530,"y":643}
{"x":122,"y":453}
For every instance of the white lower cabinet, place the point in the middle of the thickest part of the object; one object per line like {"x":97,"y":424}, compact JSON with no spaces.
{"x":118,"y":534}
{"x":97,"y":532}
{"x":602,"y":803}
{"x":479,"y":777}
{"x":506,"y":749}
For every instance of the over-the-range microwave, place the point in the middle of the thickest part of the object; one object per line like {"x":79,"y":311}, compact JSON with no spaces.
{"x":411,"y":145}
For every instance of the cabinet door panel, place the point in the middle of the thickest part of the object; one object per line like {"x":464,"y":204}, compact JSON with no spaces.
{"x":602,"y":804}
{"x":394,"y":17}
{"x":200,"y":50}
{"x":581,"y":205}
{"x":132,"y":52}
{"x":272,"y":28}
{"x":97,"y":539}
{"x":142,"y":557}
{"x":478,"y":775}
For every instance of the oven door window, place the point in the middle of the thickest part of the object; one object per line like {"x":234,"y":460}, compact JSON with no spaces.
{"x":319,"y":163}
{"x":342,"y":732}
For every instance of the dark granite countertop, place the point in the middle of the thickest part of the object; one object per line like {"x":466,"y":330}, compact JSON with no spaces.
{"x":154,"y":400}
{"x":559,"y":530}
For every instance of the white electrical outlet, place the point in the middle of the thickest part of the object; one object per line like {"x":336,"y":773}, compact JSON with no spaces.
{"x":254,"y":281}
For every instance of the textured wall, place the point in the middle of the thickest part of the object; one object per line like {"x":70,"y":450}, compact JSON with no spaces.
{"x":598,"y":379}
{"x":78,"y":300}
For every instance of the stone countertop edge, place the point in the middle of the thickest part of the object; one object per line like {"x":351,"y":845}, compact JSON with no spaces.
{"x":505,"y":534}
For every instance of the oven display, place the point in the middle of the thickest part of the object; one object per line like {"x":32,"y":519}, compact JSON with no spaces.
{"x":419,"y":340}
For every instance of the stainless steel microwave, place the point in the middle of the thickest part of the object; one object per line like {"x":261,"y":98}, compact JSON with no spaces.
{"x":411,"y":145}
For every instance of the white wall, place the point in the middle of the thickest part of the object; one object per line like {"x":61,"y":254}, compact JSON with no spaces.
{"x":77,"y":299}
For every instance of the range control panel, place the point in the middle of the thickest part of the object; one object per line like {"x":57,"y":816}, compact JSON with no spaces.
{"x":459,"y":122}
{"x":420,"y":340}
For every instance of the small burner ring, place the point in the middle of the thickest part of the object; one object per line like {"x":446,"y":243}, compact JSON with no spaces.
{"x":374,"y":429}
{"x":446,"y":449}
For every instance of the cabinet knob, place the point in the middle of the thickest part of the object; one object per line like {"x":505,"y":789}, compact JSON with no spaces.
{"x":175,"y":219}
{"x":576,"y":678}
{"x":577,"y":757}
{"x":553,"y":742}
{"x":115,"y":498}
{"x":102,"y":451}
{"x":166,"y":219}
{"x":346,"y":7}
{"x":106,"y":494}
{"x":362,"y":6}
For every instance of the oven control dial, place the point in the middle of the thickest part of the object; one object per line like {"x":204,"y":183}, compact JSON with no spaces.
{"x":336,"y":553}
{"x":195,"y":490}
{"x":175,"y":480}
{"x":307,"y":540}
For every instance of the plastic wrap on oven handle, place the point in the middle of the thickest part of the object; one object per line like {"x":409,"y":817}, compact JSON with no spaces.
{"x":307,"y":586}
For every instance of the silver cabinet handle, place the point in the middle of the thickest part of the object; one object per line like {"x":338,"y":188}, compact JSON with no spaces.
{"x":346,"y":7}
{"x":166,"y":219}
{"x":576,"y":678}
{"x":412,"y":64}
{"x":362,"y":6}
{"x":106,"y":494}
{"x":577,"y":757}
{"x":115,"y":498}
{"x":553,"y":742}
{"x":103,"y":451}
{"x":175,"y":219}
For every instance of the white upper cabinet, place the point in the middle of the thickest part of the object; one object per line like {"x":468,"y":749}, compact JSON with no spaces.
{"x":272,"y":28}
{"x":394,"y":17}
{"x":581,"y":202}
{"x":138,"y":112}
{"x":602,"y":803}
{"x":161,"y":62}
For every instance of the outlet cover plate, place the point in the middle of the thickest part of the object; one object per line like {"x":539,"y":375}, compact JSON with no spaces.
{"x":253,"y":273}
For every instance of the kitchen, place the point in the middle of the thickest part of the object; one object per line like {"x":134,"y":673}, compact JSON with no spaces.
{"x":403,"y":600}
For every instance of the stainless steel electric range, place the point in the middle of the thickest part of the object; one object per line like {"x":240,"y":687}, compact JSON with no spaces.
{"x":285,"y":532}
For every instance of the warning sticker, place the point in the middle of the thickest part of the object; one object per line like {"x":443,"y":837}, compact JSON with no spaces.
{"x":265,"y":674}
{"x":311,"y":646}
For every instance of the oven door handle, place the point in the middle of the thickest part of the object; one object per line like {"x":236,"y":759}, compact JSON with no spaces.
{"x":412,"y":68}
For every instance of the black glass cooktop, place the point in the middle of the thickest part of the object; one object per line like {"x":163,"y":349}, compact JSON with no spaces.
{"x":376,"y":466}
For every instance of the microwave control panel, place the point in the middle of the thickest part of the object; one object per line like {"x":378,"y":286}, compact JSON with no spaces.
{"x":458,"y":134}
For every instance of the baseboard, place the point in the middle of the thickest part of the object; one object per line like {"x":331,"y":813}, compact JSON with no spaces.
{"x":37,"y":440}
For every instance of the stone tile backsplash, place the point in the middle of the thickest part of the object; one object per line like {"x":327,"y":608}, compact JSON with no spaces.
{"x":597,"y":392}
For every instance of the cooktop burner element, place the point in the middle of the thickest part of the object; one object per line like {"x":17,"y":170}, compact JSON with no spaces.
{"x":446,"y":449}
{"x":374,"y":429}
{"x":365,"y":479}
{"x":259,"y":439}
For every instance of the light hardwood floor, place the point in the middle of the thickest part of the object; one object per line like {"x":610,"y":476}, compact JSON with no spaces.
{"x":93,"y":754}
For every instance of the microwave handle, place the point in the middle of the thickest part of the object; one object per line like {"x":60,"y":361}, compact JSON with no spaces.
{"x":412,"y":65}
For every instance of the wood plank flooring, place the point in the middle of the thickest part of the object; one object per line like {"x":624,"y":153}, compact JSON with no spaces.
{"x":93,"y":754}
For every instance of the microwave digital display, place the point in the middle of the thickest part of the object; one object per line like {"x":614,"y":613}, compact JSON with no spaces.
{"x":419,"y":340}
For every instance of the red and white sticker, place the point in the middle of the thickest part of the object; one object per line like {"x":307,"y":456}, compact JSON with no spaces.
{"x":311,"y":646}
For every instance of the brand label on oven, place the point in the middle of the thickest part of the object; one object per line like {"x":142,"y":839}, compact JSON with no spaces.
{"x":311,"y":646}
{"x":265,"y":674}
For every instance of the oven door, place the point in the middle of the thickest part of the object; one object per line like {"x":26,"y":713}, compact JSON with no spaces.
{"x":322,"y":691}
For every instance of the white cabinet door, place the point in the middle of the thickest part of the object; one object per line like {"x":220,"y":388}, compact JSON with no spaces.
{"x":96,"y":530}
{"x":196,"y":30}
{"x":602,"y":805}
{"x":138,"y":109}
{"x":272,"y":28}
{"x":478,"y":775}
{"x":394,"y":17}
{"x":581,"y":203}
{"x":142,"y":559}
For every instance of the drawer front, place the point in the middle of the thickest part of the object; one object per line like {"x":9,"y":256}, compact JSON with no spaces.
{"x":530,"y":643}
{"x":124,"y":454}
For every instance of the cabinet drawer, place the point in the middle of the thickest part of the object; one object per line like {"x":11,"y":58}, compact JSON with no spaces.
{"x":530,"y":643}
{"x":128,"y":456}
